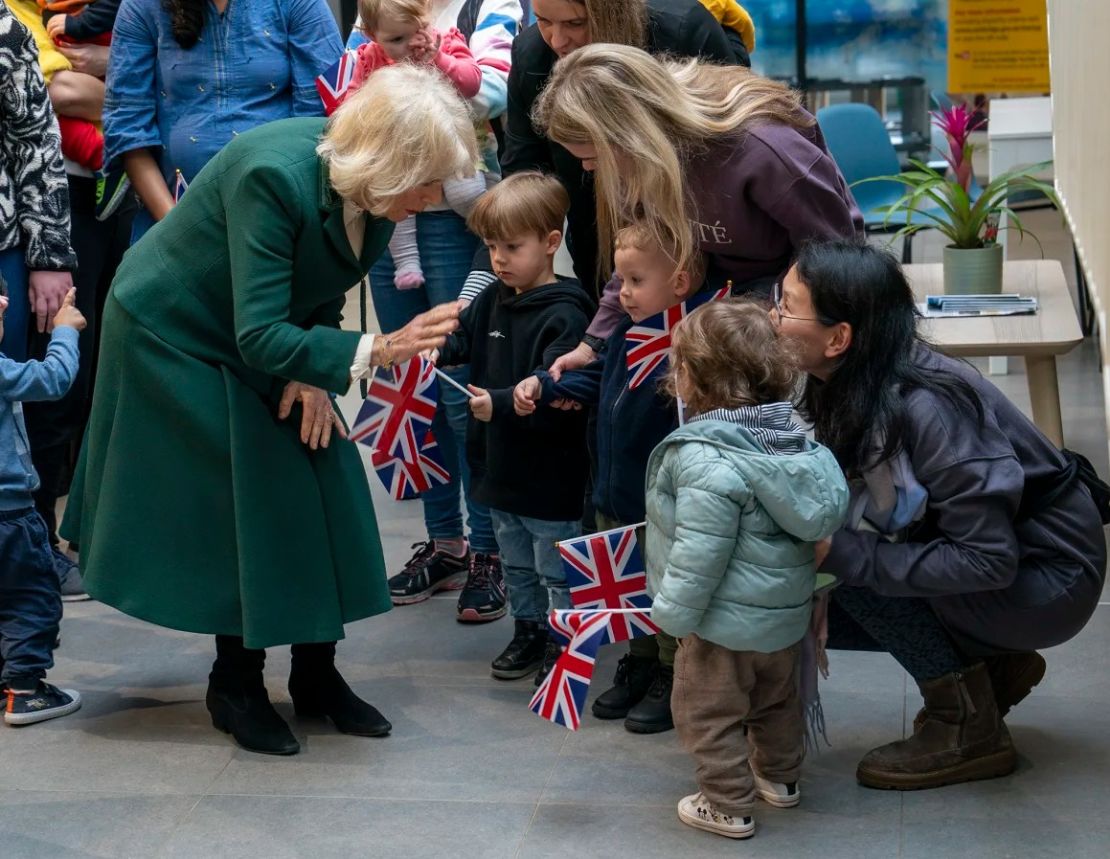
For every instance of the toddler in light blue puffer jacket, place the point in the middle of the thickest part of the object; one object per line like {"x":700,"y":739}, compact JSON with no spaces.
{"x":736,"y":499}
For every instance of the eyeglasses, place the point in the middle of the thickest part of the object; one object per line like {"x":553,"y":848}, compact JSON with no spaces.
{"x":776,"y":300}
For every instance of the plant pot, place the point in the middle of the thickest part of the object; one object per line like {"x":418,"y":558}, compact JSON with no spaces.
{"x":973,"y":271}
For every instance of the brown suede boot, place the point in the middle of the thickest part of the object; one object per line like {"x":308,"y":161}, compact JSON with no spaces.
{"x":962,"y":739}
{"x":1013,"y":676}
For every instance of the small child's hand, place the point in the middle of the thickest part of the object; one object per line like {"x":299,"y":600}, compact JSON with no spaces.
{"x":525,"y":395}
{"x":431,"y":355}
{"x":425,"y":45}
{"x":68,"y":314}
{"x":56,"y":26}
{"x":481,"y":404}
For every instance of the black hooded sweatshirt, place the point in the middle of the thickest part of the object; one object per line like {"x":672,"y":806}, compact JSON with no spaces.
{"x":531,"y":466}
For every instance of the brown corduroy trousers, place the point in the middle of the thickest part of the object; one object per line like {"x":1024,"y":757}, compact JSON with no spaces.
{"x":717,"y":692}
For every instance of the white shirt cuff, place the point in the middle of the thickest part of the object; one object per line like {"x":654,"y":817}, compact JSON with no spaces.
{"x":362,"y":367}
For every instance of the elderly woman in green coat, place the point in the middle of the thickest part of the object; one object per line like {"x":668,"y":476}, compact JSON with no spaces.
{"x":201,"y":503}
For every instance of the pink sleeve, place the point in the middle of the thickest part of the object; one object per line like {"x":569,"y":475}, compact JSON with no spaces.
{"x":455,"y":60}
{"x":370,"y":58}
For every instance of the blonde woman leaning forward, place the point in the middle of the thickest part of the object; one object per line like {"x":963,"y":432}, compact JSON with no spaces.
{"x":716,"y":148}
{"x":726,"y":161}
{"x":215,"y":491}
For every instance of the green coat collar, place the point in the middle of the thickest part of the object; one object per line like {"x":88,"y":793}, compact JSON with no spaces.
{"x":331,"y":209}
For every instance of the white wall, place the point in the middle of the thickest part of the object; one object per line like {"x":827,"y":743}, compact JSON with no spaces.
{"x":1077,"y":32}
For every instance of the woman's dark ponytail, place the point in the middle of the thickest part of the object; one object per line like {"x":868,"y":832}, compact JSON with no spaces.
{"x":187,"y":17}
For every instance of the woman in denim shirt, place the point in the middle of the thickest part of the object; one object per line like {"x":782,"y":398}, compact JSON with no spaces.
{"x":186,"y":76}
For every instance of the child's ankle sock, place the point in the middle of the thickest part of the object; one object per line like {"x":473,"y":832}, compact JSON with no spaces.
{"x":456,"y":547}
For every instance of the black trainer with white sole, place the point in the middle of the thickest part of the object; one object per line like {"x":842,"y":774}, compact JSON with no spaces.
{"x":43,"y":703}
{"x":427,"y":572}
{"x":483,"y":598}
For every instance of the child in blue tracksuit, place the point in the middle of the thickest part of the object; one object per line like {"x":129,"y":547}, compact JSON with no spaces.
{"x":630,"y":423}
{"x":30,"y":590}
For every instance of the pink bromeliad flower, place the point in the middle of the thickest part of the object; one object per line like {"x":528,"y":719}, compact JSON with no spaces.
{"x":957,"y":126}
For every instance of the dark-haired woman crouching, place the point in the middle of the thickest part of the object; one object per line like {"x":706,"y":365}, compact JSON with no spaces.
{"x":969,"y":545}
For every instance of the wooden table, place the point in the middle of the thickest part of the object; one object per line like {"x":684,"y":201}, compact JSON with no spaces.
{"x":1038,"y":338}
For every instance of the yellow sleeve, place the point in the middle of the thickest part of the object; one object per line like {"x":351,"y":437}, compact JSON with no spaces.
{"x":50,"y":58}
{"x":734,"y":16}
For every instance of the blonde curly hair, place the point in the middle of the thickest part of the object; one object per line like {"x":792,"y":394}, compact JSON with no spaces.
{"x":405,"y":127}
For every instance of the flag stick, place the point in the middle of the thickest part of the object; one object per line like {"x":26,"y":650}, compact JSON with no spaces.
{"x":601,"y":533}
{"x":452,"y":382}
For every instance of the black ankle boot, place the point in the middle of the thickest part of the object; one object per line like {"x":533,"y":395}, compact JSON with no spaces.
{"x":524,"y":653}
{"x":238,"y":703}
{"x":652,"y":715}
{"x":318,"y":690}
{"x":551,"y":653}
{"x":633,"y":679}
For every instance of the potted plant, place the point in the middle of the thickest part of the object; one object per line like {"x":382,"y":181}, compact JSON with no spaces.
{"x":968,"y":216}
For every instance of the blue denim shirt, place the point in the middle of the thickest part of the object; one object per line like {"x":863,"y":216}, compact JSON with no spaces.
{"x":48,"y":379}
{"x":255,"y":63}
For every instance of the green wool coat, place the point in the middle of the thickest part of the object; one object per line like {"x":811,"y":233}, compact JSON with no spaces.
{"x":194,"y":507}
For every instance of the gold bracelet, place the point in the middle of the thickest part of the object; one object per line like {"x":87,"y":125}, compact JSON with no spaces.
{"x":389,"y":358}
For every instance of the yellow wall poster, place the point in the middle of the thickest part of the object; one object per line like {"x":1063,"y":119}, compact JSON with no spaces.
{"x":997,"y":46}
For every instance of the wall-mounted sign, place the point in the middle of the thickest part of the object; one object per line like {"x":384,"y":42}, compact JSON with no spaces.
{"x":997,"y":46}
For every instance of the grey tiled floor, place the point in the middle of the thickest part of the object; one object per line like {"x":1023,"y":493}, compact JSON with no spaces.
{"x":469,"y":772}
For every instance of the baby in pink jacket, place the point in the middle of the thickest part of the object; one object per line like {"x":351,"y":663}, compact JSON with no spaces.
{"x":401,"y":32}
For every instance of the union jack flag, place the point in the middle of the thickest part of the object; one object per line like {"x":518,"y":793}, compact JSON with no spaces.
{"x":334,"y":83}
{"x":649,"y":342}
{"x":179,"y":187}
{"x":406,"y":480}
{"x":562,"y":695}
{"x":606,"y":571}
{"x":398,"y":410}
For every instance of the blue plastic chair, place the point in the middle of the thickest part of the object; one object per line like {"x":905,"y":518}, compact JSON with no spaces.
{"x":861,"y":148}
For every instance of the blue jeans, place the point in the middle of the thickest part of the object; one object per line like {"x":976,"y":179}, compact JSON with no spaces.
{"x":30,"y":599}
{"x":17,"y":319}
{"x":531,"y":565}
{"x":446,"y":250}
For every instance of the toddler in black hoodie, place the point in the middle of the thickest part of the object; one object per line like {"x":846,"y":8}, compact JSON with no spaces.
{"x":530,"y":471}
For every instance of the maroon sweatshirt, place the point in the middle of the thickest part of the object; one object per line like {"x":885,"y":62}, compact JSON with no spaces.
{"x":758,"y":198}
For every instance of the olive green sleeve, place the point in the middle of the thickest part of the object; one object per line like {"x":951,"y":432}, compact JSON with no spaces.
{"x":265,"y":216}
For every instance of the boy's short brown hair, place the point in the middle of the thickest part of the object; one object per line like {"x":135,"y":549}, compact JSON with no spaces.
{"x":731,"y":356}
{"x":523,"y":203}
{"x":638,"y":236}
{"x":371,"y":12}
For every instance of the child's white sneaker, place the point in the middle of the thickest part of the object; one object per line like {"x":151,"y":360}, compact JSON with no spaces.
{"x":776,"y":793}
{"x":697,"y":811}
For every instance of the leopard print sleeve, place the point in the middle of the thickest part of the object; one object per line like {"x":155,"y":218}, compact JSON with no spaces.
{"x":34,"y":194}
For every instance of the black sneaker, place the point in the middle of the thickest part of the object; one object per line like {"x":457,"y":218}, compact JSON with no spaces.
{"x":46,"y":702}
{"x":524,"y":653}
{"x":112,"y":186}
{"x":653,"y":714}
{"x":631,"y":683}
{"x":425,"y":573}
{"x":483,"y":598}
{"x":551,"y":653}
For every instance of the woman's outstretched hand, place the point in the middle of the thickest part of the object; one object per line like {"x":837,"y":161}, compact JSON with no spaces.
{"x":425,"y":332}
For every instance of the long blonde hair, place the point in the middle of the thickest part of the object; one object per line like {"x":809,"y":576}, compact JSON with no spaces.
{"x":646,"y":117}
{"x":405,"y":127}
{"x":622,"y":22}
